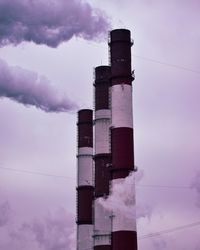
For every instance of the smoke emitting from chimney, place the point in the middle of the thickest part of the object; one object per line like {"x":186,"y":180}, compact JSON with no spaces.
{"x":30,"y":89}
{"x":122,"y":199}
{"x":50,"y":22}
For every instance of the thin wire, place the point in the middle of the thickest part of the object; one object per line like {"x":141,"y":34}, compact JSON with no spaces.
{"x":71,"y":178}
{"x":175,"y":229}
{"x":172,"y":230}
{"x":37,"y":173}
{"x":163,"y":186}
{"x":167,"y":64}
{"x":156,"y":234}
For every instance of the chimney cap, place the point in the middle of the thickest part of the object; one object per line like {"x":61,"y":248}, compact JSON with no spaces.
{"x":120,"y":35}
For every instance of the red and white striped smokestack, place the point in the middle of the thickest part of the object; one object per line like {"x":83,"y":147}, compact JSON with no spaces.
{"x":124,"y":235}
{"x":85,"y":187}
{"x":102,"y":219}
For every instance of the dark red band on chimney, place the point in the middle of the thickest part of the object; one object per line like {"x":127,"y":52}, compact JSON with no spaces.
{"x":124,"y":240}
{"x":120,"y":35}
{"x":122,"y":152}
{"x":84,"y":204}
{"x":85,"y":128}
{"x":120,"y":50}
{"x":102,"y":174}
{"x":102,"y":79}
{"x":85,"y":116}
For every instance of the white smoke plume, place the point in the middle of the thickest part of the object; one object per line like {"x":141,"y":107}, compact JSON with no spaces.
{"x":28,"y":88}
{"x":49,"y":22}
{"x":122,"y":199}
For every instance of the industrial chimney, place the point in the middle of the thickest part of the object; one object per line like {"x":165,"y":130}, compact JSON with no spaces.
{"x":102,"y":219}
{"x":99,"y":228}
{"x":124,"y":235}
{"x":85,"y":187}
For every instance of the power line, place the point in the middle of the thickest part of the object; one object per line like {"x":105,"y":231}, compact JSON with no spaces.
{"x":163,"y":186}
{"x":73,"y":179}
{"x":175,"y":229}
{"x":167,"y":64}
{"x":155,"y":234}
{"x":36,"y":173}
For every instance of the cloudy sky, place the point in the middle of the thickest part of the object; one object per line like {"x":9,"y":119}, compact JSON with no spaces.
{"x":48,"y":52}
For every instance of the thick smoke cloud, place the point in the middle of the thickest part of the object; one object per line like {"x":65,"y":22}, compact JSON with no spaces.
{"x":122,"y":199}
{"x":28,"y":88}
{"x":49,"y":22}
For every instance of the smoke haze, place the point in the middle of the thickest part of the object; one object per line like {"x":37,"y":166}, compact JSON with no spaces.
{"x":196,"y":186}
{"x":54,"y":232}
{"x":28,"y":88}
{"x":49,"y":22}
{"x":5,"y":212}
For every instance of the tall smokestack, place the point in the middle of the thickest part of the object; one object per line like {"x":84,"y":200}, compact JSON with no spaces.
{"x":85,"y":187}
{"x":102,"y":219}
{"x":124,"y":235}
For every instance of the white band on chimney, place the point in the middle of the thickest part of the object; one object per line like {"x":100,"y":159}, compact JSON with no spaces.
{"x":103,"y":222}
{"x":85,"y":163}
{"x":122,"y":106}
{"x":102,"y":239}
{"x":85,"y":151}
{"x":124,"y":215}
{"x":102,"y":136}
{"x":84,"y":235}
{"x":103,"y":114}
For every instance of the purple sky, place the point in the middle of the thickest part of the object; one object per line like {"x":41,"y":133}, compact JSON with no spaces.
{"x":37,"y":212}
